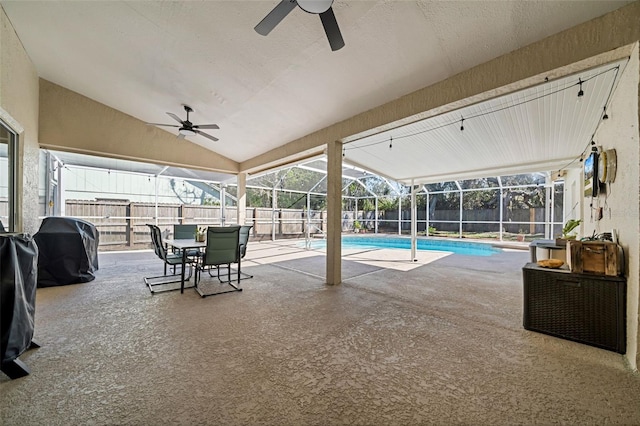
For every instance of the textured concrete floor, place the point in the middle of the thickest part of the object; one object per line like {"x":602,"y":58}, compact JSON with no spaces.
{"x":438,"y":341}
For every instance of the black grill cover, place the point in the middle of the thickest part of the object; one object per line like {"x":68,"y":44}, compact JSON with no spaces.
{"x":68,"y":251}
{"x":18,"y":277}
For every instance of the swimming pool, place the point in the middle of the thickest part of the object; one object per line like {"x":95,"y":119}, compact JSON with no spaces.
{"x":458,"y":247}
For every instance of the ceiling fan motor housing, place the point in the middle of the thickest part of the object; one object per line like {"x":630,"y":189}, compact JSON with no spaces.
{"x":315,"y":6}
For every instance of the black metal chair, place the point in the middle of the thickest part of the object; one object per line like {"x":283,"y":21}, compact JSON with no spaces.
{"x":223,"y":248}
{"x":165,"y":282}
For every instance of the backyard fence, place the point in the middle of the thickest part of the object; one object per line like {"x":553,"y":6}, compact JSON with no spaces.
{"x":123,"y":223}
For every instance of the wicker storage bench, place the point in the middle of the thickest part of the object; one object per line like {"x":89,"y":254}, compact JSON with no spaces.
{"x":585,"y":308}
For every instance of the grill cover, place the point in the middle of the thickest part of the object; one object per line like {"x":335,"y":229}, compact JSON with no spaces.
{"x":68,"y":251}
{"x":18,"y":276}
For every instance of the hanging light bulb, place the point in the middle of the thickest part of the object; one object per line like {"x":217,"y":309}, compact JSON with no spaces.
{"x":605,"y":116}
{"x":462,"y":124}
{"x":343,"y":151}
{"x":580,"y":92}
{"x":390,"y":142}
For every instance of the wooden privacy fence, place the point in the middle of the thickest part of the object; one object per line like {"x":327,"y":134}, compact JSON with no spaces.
{"x":124,"y":223}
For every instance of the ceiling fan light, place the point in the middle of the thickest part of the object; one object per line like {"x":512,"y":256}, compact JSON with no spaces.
{"x":186,"y":132}
{"x":315,"y":6}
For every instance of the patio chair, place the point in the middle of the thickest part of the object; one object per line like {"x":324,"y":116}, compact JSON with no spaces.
{"x":185,"y":232}
{"x":245,"y":231}
{"x":162,"y":283}
{"x":223,"y":248}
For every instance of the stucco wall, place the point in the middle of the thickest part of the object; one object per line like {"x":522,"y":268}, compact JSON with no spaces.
{"x":72,"y":122}
{"x":19,"y":102}
{"x":621,"y":203}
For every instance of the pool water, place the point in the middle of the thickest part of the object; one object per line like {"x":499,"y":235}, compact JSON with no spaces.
{"x":457,"y":247}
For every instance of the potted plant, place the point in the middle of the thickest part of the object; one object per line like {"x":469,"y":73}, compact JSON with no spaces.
{"x":357,"y":226}
{"x":200,"y":234}
{"x":567,"y":231}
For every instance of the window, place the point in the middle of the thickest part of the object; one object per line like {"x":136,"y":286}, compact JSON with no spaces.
{"x":7,"y":177}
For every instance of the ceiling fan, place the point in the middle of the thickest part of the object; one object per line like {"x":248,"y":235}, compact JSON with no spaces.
{"x":187,"y":128}
{"x":316,"y":7}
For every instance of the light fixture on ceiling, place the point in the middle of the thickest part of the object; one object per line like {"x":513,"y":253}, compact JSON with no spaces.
{"x":580,"y":92}
{"x":186,"y":132}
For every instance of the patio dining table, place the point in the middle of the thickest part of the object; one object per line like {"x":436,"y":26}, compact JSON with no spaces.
{"x":185,"y":245}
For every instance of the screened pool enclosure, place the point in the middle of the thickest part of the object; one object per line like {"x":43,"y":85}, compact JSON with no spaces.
{"x":121,"y":196}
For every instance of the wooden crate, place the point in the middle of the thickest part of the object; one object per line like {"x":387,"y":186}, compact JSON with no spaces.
{"x":594,"y":257}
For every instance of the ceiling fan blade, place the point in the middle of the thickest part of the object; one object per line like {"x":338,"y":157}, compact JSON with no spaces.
{"x":206,"y":126}
{"x":206,"y":135}
{"x":332,"y":30}
{"x":175,"y":117}
{"x":159,"y":124}
{"x":274,"y":17}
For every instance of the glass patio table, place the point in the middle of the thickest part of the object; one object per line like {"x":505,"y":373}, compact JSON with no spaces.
{"x":185,"y":245}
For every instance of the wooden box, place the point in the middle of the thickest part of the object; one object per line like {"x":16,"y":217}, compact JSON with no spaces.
{"x":594,"y":257}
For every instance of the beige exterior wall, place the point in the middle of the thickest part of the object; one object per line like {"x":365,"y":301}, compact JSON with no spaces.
{"x":72,"y":122}
{"x":19,"y":109}
{"x":621,"y":203}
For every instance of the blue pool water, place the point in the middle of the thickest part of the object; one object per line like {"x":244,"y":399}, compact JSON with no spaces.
{"x":458,"y":247}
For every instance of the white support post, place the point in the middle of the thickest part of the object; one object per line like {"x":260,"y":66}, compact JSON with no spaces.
{"x":223,"y":202}
{"x":501,"y":208}
{"x":548,"y":208}
{"x":460,"y":218}
{"x":62,"y":202}
{"x":156,"y":201}
{"x":427,"y":214}
{"x":399,"y":215}
{"x":414,"y":223}
{"x":274,"y":206}
{"x":308,"y":233}
{"x":376,"y":218}
{"x":241,"y":202}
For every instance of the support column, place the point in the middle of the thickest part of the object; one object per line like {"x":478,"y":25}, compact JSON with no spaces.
{"x":414,"y":223}
{"x":241,"y":182}
{"x":274,"y":206}
{"x":155,"y":211}
{"x":334,"y":213}
{"x":62,"y":202}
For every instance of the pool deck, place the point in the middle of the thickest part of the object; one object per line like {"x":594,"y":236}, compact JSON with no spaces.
{"x":438,"y":340}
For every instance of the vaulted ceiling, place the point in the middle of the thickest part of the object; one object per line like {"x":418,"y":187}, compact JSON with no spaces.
{"x":146,"y":58}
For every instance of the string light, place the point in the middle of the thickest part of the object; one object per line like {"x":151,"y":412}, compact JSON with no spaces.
{"x":580,"y":92}
{"x":500,"y":109}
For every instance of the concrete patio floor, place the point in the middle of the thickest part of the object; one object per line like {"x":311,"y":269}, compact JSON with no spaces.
{"x":437,"y":341}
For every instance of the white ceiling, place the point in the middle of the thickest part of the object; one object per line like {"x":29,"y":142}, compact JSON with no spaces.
{"x":146,"y":58}
{"x":541,"y":128}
